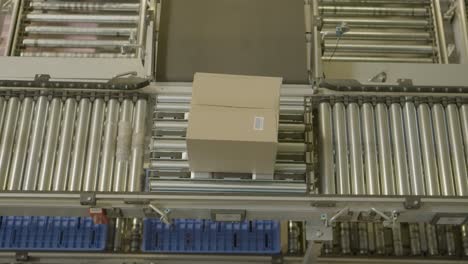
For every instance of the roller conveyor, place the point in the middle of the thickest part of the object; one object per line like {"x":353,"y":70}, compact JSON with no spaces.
{"x":378,"y":31}
{"x":71,"y":29}
{"x":74,"y":144}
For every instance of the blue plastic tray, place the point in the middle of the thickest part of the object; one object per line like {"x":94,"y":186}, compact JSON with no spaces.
{"x":51,"y":233}
{"x":205,"y":236}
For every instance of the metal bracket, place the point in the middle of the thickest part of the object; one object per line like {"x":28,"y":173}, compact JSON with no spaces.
{"x":450,"y":13}
{"x":450,"y":219}
{"x":342,"y":212}
{"x":88,"y":199}
{"x":162,"y":213}
{"x":228,"y":215}
{"x":412,"y":202}
{"x":318,"y":232}
{"x":21,"y":256}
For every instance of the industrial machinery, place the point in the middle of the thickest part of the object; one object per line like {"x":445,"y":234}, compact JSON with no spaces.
{"x":372,"y":162}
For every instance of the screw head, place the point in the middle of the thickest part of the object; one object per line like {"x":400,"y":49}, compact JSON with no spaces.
{"x":318,"y":234}
{"x":89,"y":198}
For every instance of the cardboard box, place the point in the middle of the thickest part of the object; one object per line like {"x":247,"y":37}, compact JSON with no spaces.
{"x":233,"y":123}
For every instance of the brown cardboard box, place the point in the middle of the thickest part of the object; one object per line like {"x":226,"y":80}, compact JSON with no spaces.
{"x":233,"y":123}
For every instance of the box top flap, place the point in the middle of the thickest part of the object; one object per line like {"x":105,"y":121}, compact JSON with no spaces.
{"x":236,"y":91}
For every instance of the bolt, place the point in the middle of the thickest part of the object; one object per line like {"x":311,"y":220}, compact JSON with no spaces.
{"x":318,"y":234}
{"x":89,"y":198}
{"x":415,"y":202}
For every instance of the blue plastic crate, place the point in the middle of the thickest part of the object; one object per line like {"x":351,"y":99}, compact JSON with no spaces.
{"x":205,"y":236}
{"x":43,"y":233}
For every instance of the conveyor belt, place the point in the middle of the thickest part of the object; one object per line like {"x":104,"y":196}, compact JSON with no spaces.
{"x":74,"y":144}
{"x":383,"y":31}
{"x":97,"y":29}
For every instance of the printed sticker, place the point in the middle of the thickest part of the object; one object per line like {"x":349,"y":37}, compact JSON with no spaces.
{"x":258,"y":122}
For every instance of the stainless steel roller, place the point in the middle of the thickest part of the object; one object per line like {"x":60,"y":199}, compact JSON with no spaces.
{"x":21,"y":145}
{"x":385,"y":150}
{"x":399,"y":150}
{"x":3,"y":104}
{"x":344,"y":238}
{"x":415,"y":244}
{"x":50,"y":146}
{"x":326,"y":158}
{"x":109,"y":146}
{"x":464,"y":123}
{"x":35,"y":156}
{"x":68,"y":43}
{"x":414,"y":150}
{"x":79,"y":18}
{"x":380,"y":48}
{"x":181,"y":125}
{"x":457,"y":150}
{"x":63,"y":30}
{"x":428,"y":150}
{"x":66,"y":138}
{"x":375,"y":11}
{"x":181,"y":146}
{"x":341,"y":155}
{"x":6,"y":146}
{"x":90,"y":177}
{"x":83,"y":6}
{"x":431,"y":235}
{"x":379,"y":239}
{"x":355,"y":148}
{"x":77,"y":168}
{"x":185,"y":108}
{"x":370,"y":149}
{"x":375,"y":22}
{"x":137,"y":147}
{"x":124,"y":140}
{"x":443,"y":151}
{"x":450,"y":238}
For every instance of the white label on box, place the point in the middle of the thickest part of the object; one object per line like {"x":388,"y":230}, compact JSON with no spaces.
{"x":258,"y":122}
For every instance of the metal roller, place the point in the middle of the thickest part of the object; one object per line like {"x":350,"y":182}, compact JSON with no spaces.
{"x":76,"y":55}
{"x":6,"y":146}
{"x":33,"y":163}
{"x":64,"y":30}
{"x":428,"y":150}
{"x":385,"y":150}
{"x":345,"y":238}
{"x":379,"y":239}
{"x":399,"y":150}
{"x":21,"y":145}
{"x":464,"y":236}
{"x":415,"y":243}
{"x":137,"y":148}
{"x":64,"y":148}
{"x":373,"y":11}
{"x":371,"y":233}
{"x":90,"y":177}
{"x":79,"y":150}
{"x":450,"y":238}
{"x":431,"y":234}
{"x":341,"y":150}
{"x":83,"y":6}
{"x":379,"y":48}
{"x":370,"y":150}
{"x":67,"y":43}
{"x":326,"y":157}
{"x":373,"y":22}
{"x":443,"y":151}
{"x":109,"y":146}
{"x":414,"y":152}
{"x":124,"y":140}
{"x":376,"y":59}
{"x":78,"y":18}
{"x":50,"y":146}
{"x":457,"y":150}
{"x":185,"y":108}
{"x":464,"y":123}
{"x":3,"y":104}
{"x":397,"y":240}
{"x":363,"y":239}
{"x":181,"y":146}
{"x":355,"y":150}
{"x":94,"y":146}
{"x":181,"y":125}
